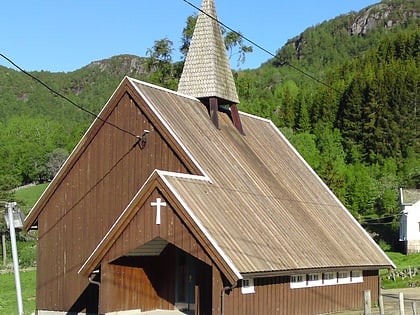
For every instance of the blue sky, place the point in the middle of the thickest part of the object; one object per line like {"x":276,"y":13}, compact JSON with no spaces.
{"x":65,"y":35}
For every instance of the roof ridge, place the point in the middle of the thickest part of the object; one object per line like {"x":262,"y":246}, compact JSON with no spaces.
{"x":158,"y":87}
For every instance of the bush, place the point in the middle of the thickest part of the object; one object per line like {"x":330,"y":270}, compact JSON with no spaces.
{"x":384,"y":245}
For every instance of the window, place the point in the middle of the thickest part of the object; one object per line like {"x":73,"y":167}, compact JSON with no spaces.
{"x":247,"y":286}
{"x":330,"y":278}
{"x":343,"y":277}
{"x":314,"y":279}
{"x":297,"y":281}
{"x":356,"y":276}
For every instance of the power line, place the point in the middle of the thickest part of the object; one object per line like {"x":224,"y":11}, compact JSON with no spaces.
{"x":65,"y":97}
{"x":282,"y":62}
{"x":377,"y":221}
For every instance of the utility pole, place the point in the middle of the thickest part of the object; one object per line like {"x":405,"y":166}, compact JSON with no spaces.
{"x":10,"y":222}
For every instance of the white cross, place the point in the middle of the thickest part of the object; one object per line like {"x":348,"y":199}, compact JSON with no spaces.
{"x":158,"y":203}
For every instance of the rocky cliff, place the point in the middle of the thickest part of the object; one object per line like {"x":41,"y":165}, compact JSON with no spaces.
{"x":384,"y":14}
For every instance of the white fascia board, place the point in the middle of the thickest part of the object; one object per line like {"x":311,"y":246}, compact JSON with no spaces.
{"x":196,"y":220}
{"x":155,"y":111}
{"x":330,"y":192}
{"x":118,"y":220}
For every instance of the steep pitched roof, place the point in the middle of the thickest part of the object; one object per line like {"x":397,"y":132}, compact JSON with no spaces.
{"x":158,"y":180}
{"x":207,"y":71}
{"x":260,"y":202}
{"x":410,"y":196}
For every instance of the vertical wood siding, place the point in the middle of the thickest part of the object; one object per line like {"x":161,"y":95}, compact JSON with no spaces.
{"x":91,"y":196}
{"x":274,"y":296}
{"x":138,"y":278}
{"x":136,"y":283}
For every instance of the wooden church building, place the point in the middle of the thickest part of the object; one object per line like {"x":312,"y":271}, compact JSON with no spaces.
{"x":177,"y":201}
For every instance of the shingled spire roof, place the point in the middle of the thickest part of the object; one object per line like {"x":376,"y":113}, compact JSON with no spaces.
{"x":207,"y":71}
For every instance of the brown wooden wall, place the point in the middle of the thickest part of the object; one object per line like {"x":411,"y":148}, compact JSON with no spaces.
{"x":145,"y":283}
{"x":142,"y":229}
{"x":97,"y":188}
{"x":118,"y":281}
{"x":274,"y":296}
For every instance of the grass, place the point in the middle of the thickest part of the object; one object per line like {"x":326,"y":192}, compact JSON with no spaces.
{"x":8,"y":301}
{"x":401,"y":274}
{"x":30,"y":194}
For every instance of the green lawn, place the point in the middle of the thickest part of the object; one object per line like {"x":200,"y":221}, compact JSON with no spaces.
{"x":30,"y":194}
{"x":401,"y":277}
{"x":8,"y":301}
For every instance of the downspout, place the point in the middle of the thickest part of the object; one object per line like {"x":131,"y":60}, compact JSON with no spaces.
{"x":91,"y":276}
{"x":222,"y":295}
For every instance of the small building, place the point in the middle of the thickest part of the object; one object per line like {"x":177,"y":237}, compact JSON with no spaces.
{"x":178,"y":201}
{"x":410,"y":220}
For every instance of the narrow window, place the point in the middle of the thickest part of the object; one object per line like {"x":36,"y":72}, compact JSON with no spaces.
{"x":343,"y":277}
{"x":247,"y":286}
{"x":314,"y":279}
{"x":297,"y":281}
{"x":330,"y":278}
{"x":356,"y":276}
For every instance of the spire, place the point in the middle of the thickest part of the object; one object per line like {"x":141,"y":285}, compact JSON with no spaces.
{"x":207,"y":73}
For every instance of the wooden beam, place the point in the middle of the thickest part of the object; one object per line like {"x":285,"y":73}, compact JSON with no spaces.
{"x":214,"y":109}
{"x":235,"y":118}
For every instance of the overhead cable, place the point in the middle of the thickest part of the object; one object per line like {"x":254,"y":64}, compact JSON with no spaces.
{"x":282,"y":62}
{"x":65,"y":97}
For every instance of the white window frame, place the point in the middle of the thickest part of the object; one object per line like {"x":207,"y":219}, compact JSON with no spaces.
{"x":314,"y":279}
{"x":356,"y":276}
{"x":298,"y":281}
{"x":343,"y":277}
{"x":247,"y":286}
{"x":332,"y":278}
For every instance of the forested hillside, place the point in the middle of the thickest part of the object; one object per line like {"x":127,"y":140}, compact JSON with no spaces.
{"x":346,"y":93}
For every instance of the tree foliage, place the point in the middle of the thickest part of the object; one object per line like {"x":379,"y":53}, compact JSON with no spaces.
{"x":358,"y":129}
{"x":234,"y":42}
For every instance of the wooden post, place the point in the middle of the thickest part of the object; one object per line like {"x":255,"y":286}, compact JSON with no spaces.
{"x":3,"y":246}
{"x":381,"y":305}
{"x":214,"y":110}
{"x":197,"y":300}
{"x":414,"y":307}
{"x":401,"y":299}
{"x":235,"y":118}
{"x":367,"y":302}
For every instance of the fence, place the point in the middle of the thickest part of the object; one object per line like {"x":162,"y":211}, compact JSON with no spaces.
{"x":393,"y":303}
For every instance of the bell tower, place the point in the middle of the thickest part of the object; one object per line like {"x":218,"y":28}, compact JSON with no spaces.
{"x":207,"y":74}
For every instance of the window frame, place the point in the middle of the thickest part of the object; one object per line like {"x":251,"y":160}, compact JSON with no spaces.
{"x":298,"y":284}
{"x":356,"y":276}
{"x":248,"y":286}
{"x":314,"y":282}
{"x":329,"y":281}
{"x":343,"y":277}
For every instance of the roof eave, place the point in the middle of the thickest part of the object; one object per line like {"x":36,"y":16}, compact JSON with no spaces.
{"x":157,"y":180}
{"x":288,"y":272}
